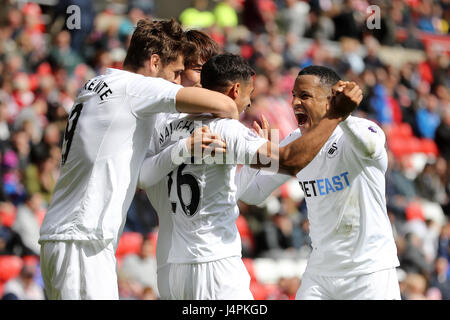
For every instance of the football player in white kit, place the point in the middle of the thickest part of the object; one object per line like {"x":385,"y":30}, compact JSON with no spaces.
{"x":205,"y":48}
{"x":205,"y":251}
{"x":354,"y":254}
{"x":105,"y":143}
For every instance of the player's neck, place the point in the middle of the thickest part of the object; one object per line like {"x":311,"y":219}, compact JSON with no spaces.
{"x":141,"y":71}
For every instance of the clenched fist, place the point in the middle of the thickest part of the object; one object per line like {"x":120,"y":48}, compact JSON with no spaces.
{"x":346,"y":97}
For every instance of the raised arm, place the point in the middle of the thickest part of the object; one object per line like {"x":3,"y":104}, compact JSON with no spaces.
{"x":199,"y":100}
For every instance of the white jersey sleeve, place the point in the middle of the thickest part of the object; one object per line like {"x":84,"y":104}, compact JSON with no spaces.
{"x":156,"y":167}
{"x":254,"y":186}
{"x":148,"y":95}
{"x":366,"y":138}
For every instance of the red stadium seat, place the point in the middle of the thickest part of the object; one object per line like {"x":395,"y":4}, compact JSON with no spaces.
{"x":1,"y":290}
{"x":7,"y":218}
{"x":130,"y":242}
{"x":10,"y":267}
{"x":429,"y":147}
{"x":250,"y":268}
{"x":258,"y":290}
{"x":398,"y":146}
{"x":414,"y":211}
{"x":244,"y":231}
{"x":31,"y":260}
{"x":402,"y":130}
{"x":405,"y":130}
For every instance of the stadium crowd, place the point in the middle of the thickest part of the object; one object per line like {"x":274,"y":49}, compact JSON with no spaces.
{"x":402,"y":66}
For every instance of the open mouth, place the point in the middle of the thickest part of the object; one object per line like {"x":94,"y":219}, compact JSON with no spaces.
{"x":302,"y":117}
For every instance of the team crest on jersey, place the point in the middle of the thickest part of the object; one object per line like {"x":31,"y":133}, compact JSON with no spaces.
{"x":251,"y":135}
{"x":333,"y":151}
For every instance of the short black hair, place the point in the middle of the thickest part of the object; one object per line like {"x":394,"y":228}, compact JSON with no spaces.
{"x":224,"y":70}
{"x":328,"y":77}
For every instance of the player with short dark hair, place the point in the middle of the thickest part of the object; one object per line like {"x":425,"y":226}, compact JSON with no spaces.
{"x":105,"y":142}
{"x":354,"y":254}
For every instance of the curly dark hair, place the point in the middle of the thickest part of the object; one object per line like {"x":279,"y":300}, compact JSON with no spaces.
{"x":165,"y":38}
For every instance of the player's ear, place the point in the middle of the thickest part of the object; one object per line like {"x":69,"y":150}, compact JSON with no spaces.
{"x":236,"y":90}
{"x":153,"y":64}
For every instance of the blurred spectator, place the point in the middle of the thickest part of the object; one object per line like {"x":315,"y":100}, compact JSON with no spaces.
{"x":294,"y":17}
{"x":348,"y":26}
{"x":276,"y":236}
{"x":10,"y":241}
{"x":225,"y":14}
{"x":32,"y":120}
{"x":429,"y":184}
{"x":442,"y":134}
{"x":86,"y":19}
{"x":319,"y":26}
{"x":415,"y":287}
{"x":41,"y":177}
{"x":62,"y":54}
{"x":444,"y":242}
{"x":28,"y":222}
{"x":400,"y":190}
{"x":5,"y":132}
{"x":286,"y":289}
{"x":301,"y":239}
{"x":413,"y":259}
{"x":140,"y":269}
{"x":428,"y":117}
{"x":198,"y":15}
{"x":24,"y":287}
{"x":252,"y":16}
{"x":439,"y":278}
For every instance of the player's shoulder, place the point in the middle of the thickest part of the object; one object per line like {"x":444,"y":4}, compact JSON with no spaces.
{"x":227,"y":123}
{"x":291,"y":137}
{"x":368,"y":124}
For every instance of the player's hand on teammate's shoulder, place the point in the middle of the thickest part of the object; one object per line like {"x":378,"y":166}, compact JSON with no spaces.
{"x":203,"y":143}
{"x":346,"y":97}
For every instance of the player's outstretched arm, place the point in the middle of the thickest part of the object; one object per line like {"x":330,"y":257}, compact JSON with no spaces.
{"x":254,"y":186}
{"x":260,"y":186}
{"x":297,"y":154}
{"x":156,"y":167}
{"x":200,"y":100}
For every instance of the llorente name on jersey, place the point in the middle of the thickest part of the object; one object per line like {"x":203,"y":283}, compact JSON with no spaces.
{"x":321,"y":187}
{"x":99,"y":87}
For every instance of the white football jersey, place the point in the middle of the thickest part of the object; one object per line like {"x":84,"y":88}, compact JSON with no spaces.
{"x":345,"y":196}
{"x":202,"y":197}
{"x":105,"y":143}
{"x":159,"y":197}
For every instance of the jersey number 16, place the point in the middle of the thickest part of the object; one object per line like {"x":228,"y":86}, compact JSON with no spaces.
{"x":190,"y":181}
